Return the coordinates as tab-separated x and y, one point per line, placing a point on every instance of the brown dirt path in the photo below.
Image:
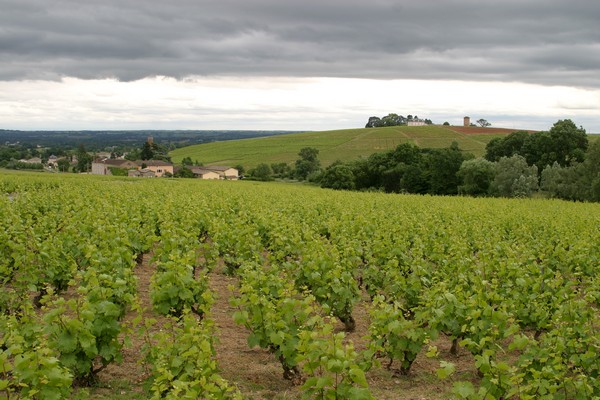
256	372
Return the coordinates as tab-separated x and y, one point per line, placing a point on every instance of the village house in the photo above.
157	167
215	172
203	173
102	166
141	173
416	122
224	172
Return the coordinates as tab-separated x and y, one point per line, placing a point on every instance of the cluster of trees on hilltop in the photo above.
559	163
393	120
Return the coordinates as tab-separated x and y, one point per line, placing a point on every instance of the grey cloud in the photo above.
548	42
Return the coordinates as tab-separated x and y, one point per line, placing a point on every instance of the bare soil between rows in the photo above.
256	372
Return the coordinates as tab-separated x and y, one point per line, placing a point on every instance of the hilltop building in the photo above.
467	121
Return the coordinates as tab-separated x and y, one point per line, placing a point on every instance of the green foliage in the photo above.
576	182
564	144
476	176
394	336
330	282
184	172
338	176
84	160
516	281
174	288
83	333
514	178
275	314
308	163
333	372
282	170
184	364
262	172
28	367
564	363
506	146
118	171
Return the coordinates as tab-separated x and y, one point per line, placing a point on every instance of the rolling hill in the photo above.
344	145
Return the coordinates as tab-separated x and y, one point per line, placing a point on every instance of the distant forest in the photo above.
125	139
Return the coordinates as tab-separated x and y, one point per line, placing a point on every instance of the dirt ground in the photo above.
256	372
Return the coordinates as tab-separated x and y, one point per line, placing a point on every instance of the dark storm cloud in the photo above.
549	42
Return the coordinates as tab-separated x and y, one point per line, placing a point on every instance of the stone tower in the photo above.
467	121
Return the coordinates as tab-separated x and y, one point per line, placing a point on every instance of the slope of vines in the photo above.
513	283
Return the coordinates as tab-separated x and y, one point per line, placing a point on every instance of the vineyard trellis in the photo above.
515	283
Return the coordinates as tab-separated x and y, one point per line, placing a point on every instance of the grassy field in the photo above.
344	145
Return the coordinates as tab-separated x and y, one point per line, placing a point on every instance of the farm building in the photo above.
158	167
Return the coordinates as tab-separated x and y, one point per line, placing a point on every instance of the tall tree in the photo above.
476	176
567	142
483	123
308	162
514	178
84	160
507	146
147	151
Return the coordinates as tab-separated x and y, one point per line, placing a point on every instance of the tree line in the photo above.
557	163
393	119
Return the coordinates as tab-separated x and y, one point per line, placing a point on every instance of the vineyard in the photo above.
122	288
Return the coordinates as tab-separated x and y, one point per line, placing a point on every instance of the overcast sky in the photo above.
300	65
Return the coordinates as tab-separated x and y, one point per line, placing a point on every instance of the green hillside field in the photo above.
344	145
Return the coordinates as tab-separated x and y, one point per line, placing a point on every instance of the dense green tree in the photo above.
374	122
580	181
338	176
476	176
507	146
308	162
564	143
536	148
63	165
84	160
184	172
406	153
241	170
567	142
133	155
441	167
514	178
393	119
281	170
592	171
187	161
147	152
262	172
